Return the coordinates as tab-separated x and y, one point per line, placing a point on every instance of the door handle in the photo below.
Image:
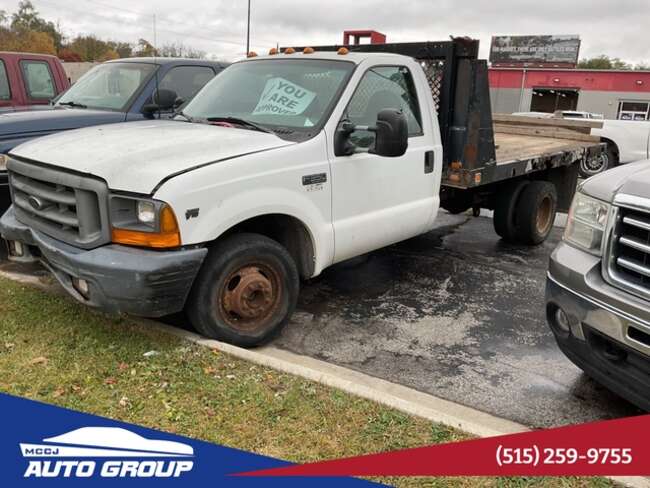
428	162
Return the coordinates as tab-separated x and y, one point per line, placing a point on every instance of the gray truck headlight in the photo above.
586	223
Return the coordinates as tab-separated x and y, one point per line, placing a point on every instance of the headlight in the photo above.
586	223
143	222
3	162
146	212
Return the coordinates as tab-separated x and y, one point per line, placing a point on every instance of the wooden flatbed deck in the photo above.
516	147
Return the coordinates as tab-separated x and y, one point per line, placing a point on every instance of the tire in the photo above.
607	160
505	210
245	292
536	210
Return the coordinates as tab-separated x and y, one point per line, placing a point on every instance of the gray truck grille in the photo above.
628	252
65	206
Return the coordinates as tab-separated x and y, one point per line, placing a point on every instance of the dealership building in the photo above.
615	94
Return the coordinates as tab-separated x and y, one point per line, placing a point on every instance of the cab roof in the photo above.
351	56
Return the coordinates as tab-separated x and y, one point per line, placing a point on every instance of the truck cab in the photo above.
280	167
29	80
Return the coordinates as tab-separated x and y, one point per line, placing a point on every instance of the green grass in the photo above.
57	351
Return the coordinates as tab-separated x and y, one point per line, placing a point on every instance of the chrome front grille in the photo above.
627	253
63	205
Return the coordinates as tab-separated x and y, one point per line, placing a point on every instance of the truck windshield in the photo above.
287	96
108	86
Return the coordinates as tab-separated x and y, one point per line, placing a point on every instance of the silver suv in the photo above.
598	286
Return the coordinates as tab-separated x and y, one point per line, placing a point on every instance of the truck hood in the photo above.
629	179
136	156
33	122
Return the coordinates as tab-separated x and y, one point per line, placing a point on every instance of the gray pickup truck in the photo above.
598	286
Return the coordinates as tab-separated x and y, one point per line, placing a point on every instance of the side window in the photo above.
5	92
38	80
380	88
186	81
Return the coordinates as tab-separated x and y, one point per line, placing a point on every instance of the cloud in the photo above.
218	27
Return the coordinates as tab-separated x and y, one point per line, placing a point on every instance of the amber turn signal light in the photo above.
169	234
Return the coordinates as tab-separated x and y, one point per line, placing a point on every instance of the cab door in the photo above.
377	201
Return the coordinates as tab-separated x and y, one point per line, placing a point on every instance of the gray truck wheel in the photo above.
246	291
536	211
606	160
505	210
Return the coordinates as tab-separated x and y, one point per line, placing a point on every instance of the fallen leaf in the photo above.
58	392
122	366
110	381
39	360
209	370
150	353
76	388
209	412
9	345
124	402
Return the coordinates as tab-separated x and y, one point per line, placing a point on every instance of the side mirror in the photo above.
162	99
391	134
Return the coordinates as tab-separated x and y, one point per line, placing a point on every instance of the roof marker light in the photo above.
343	51
273	51
308	50
289	50
251	54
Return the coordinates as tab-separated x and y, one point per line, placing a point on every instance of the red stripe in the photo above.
485	457
585	80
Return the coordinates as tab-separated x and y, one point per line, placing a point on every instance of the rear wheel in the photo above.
606	160
246	290
536	211
505	210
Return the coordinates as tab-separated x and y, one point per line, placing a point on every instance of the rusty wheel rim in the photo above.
544	214
250	296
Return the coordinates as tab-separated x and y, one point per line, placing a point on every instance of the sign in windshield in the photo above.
108	86
288	93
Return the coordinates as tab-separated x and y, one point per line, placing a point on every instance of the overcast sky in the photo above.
618	28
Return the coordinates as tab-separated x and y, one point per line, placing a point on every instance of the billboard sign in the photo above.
535	50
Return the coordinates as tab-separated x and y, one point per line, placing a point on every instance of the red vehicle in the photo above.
30	79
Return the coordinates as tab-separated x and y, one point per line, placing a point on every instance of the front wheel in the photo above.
245	292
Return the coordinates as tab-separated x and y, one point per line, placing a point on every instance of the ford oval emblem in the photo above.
35	202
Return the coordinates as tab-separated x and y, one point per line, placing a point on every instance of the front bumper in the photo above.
609	336
120	278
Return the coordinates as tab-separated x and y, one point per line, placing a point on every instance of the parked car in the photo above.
116	91
598	286
28	80
627	140
246	188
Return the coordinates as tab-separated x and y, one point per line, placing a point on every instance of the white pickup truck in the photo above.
627	141
280	167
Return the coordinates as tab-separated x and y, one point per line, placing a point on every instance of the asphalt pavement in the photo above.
456	313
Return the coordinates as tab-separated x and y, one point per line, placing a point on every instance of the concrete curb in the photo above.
392	395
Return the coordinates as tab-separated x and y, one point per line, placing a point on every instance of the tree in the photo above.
144	49
179	50
123	49
68	55
603	62
28	19
89	48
